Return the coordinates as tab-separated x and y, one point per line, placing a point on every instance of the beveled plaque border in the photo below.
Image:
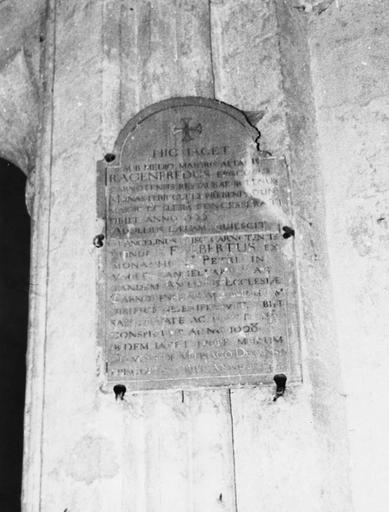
102	165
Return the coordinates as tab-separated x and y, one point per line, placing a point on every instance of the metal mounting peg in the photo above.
287	232
109	157
98	241
280	380
119	391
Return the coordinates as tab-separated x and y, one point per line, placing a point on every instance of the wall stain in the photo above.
91	458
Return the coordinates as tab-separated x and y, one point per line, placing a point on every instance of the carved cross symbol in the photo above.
187	130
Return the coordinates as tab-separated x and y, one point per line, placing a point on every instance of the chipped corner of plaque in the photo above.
253	118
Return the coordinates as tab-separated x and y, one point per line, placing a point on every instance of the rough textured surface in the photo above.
19	112
81	129
246	64
20	22
350	69
322	371
278	68
20	31
315	6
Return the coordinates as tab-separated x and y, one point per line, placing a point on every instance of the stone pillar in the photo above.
349	45
236	449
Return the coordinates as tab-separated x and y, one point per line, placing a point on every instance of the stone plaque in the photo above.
198	281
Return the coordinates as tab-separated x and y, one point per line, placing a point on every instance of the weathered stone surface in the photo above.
184	459
20	27
20	31
315	6
67	224
19	114
292	133
279	453
246	64
349	49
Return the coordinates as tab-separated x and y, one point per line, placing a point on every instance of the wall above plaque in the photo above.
197	283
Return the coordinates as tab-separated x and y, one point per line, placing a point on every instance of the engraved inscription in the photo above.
199	281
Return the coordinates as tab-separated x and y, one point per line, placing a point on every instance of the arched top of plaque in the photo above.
179	121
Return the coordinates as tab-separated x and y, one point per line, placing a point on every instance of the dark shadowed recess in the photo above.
14	284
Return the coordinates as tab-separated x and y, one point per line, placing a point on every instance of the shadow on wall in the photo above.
14	284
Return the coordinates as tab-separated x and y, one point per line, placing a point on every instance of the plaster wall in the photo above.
350	67
21	38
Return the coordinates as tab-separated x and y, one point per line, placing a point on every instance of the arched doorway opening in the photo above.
14	285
